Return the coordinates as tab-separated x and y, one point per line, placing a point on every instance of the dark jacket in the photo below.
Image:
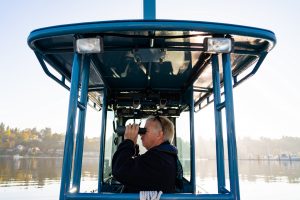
153	171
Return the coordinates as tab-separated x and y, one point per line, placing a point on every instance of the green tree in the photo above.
2	128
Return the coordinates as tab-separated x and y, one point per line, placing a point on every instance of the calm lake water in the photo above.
39	178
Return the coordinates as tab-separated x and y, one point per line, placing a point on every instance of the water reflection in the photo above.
28	171
254	170
270	171
40	171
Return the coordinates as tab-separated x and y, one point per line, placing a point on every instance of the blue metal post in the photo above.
81	123
69	141
192	140
231	140
136	196
149	9
218	124
102	140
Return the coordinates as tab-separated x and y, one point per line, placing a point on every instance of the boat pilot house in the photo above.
140	68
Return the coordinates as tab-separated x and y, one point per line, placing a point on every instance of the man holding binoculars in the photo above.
155	170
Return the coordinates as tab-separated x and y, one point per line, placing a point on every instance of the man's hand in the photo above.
131	132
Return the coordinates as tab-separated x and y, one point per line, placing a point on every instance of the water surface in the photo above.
39	178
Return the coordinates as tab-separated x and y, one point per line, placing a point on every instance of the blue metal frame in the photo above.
81	123
231	139
73	104
218	125
184	196
232	154
127	25
48	73
149	9
192	141
69	141
149	23
102	140
262	57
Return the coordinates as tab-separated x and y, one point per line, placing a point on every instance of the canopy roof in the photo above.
149	61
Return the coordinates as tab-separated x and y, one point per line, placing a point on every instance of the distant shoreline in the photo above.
203	159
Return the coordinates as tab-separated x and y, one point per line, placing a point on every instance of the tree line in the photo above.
33	141
14	140
249	148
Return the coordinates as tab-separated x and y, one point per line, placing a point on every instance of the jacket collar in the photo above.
167	147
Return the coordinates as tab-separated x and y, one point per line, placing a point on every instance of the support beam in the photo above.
231	139
218	124
149	9
69	140
126	196
102	140
81	123
192	141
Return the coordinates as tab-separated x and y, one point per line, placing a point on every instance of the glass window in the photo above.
109	147
183	143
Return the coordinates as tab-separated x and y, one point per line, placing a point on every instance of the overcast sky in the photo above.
266	105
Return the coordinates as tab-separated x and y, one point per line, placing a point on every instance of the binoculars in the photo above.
120	130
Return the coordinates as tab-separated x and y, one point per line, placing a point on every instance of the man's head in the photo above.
159	130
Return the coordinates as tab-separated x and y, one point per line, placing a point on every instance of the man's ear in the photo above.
161	135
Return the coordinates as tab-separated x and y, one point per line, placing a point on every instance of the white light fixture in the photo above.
89	45
218	45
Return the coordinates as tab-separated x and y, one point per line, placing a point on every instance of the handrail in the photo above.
235	83
254	70
45	68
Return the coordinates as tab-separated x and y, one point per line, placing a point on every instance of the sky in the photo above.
266	105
